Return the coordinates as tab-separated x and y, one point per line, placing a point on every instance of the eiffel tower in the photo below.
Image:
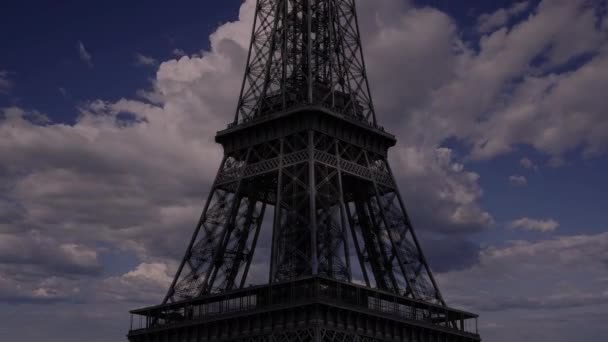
304	172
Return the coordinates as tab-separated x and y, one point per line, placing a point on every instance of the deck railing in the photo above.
301	292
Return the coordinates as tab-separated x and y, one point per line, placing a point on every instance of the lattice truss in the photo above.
305	52
310	335
331	200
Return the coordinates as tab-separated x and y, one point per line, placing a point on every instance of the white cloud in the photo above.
552	112
85	56
113	181
440	195
143	60
513	90
178	52
409	53
5	83
517	180
148	282
546	225
138	184
73	180
488	22
107	179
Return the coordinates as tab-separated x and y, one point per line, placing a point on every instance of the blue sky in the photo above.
498	107
44	55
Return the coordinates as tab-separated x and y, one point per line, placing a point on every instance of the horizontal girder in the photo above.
329	198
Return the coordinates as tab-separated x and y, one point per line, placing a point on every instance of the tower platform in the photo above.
308	309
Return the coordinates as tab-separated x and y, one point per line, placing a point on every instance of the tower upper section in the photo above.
305	53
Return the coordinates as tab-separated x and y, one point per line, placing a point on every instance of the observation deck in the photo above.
259	310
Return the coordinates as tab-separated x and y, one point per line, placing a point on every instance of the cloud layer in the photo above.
130	176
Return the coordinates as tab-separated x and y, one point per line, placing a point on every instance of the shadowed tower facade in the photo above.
304	172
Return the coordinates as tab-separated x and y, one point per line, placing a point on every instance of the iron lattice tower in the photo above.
306	160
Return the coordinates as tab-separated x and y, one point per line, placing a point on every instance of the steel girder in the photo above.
305	52
330	199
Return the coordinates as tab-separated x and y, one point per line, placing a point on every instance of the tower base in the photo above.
308	309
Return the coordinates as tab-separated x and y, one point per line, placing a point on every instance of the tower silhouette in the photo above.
305	166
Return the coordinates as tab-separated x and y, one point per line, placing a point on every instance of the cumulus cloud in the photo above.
5	83
544	226
148	282
488	22
516	87
85	56
111	178
554	112
133	174
90	180
114	151
441	196
196	97
143	60
517	180
410	52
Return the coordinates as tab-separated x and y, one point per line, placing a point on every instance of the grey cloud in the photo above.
564	300
517	180
512	90
409	55
527	163
440	195
5	83
178	52
143	60
488	22
46	291
546	225
35	249
554	112
147	283
561	324
141	186
562	272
